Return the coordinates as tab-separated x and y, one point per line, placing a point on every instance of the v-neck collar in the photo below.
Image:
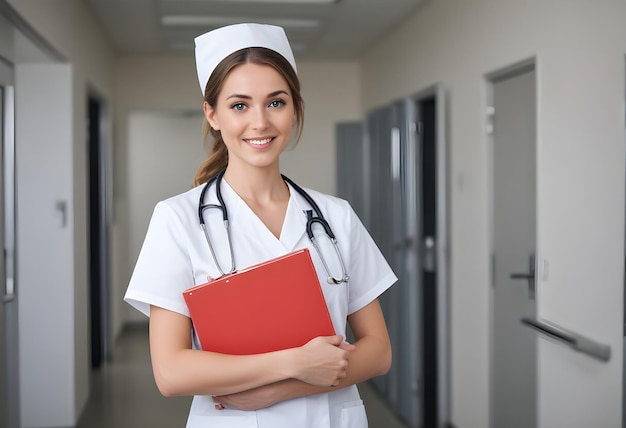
245	220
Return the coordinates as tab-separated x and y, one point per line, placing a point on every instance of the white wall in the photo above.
579	47
69	27
163	155
169	83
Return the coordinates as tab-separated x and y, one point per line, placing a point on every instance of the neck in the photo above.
260	185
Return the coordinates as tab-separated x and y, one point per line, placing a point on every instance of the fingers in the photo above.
347	346
325	365
338	341
218	405
335	340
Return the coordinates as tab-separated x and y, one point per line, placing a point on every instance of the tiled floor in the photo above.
124	395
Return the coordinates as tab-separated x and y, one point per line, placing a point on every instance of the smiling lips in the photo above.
259	142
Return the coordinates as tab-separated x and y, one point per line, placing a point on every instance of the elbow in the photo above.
166	390
380	361
166	383
384	362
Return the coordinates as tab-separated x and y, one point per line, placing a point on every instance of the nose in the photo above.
260	119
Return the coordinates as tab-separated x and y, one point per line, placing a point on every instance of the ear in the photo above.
211	116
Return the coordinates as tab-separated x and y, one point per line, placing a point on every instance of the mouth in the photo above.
259	142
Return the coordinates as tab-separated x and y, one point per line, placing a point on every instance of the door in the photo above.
378	221
351	165
512	123
407	295
9	393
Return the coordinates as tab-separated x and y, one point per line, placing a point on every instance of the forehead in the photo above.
253	79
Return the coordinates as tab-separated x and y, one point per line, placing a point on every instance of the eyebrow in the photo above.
248	97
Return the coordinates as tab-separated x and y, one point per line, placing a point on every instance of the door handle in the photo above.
429	256
576	341
528	276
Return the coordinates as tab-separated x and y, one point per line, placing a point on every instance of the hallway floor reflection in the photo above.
124	395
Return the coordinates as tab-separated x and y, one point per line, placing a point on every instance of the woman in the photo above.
253	106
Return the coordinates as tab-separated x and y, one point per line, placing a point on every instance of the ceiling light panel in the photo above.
278	1
208	20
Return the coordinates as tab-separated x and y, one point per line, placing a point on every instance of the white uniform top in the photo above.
175	256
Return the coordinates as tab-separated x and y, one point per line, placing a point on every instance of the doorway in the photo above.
407	217
98	233
428	112
511	129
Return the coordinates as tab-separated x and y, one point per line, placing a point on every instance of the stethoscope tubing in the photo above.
319	219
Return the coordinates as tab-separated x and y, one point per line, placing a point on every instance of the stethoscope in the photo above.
311	220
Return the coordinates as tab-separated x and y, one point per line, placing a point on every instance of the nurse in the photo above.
253	109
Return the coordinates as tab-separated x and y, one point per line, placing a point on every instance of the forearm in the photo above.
180	370
193	372
371	357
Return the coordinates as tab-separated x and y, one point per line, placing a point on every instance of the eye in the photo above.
238	106
276	103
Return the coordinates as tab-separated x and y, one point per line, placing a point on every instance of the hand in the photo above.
252	399
323	361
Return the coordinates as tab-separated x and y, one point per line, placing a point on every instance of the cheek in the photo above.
232	124
287	121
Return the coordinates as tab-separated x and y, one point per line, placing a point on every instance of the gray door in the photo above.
351	165
378	221
512	124
407	292
9	392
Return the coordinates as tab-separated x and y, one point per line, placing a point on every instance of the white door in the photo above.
514	351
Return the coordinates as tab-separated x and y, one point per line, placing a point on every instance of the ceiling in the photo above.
338	30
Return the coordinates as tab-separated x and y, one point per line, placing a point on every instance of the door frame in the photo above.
489	79
438	92
100	171
8	296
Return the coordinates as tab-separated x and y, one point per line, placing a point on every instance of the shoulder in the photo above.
324	200
337	211
185	199
183	206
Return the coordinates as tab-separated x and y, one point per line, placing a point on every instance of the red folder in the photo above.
274	305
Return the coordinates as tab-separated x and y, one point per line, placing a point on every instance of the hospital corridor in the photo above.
481	145
124	395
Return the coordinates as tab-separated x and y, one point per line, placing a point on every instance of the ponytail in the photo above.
218	156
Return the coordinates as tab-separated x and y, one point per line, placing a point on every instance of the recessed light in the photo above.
207	20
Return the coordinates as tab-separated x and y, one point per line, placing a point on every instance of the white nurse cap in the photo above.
214	46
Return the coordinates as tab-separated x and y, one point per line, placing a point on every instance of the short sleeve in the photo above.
370	274
163	269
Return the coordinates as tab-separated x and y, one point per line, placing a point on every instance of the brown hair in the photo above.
218	156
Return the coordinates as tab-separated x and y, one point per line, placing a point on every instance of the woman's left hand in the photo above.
252	399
